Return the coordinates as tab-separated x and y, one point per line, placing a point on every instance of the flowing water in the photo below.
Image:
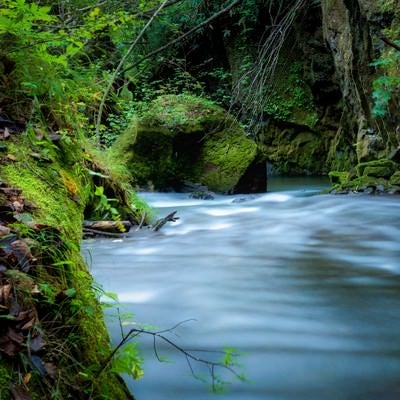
305	286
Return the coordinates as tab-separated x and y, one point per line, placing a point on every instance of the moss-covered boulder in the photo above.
395	179
375	176
178	138
377	168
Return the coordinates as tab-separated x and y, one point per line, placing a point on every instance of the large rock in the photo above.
180	138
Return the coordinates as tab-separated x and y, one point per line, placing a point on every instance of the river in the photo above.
305	286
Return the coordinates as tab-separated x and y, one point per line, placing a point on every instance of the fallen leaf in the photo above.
51	369
18	206
5	292
19	393
9	348
28	325
27	378
16	337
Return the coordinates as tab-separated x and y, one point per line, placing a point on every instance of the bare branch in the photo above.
390	43
182	37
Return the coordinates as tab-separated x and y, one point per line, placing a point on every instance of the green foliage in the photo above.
128	361
387	84
291	99
104	208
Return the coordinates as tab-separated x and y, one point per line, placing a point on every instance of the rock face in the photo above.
352	30
180	138
317	109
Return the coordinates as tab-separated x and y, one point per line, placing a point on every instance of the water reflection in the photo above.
307	287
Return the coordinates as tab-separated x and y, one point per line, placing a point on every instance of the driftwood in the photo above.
161	222
93	232
108	226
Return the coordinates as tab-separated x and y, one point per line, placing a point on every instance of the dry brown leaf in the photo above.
29	324
16	337
5	292
51	369
19	393
9	348
18	206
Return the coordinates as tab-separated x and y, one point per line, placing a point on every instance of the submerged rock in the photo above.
180	138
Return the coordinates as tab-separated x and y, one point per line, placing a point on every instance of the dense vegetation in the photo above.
99	98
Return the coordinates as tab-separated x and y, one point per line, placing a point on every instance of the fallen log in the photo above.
93	233
108	226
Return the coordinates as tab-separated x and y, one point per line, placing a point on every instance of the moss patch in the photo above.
338	177
225	157
291	99
377	168
377	175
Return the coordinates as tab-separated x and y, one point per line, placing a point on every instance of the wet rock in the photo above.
369	145
380	189
202	195
243	199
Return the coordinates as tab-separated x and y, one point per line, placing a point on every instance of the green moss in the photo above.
44	186
365	182
291	99
6	378
338	177
182	113
395	179
225	157
377	168
293	152
76	337
378	172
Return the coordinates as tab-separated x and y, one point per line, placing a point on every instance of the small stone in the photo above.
368	190
380	188
202	195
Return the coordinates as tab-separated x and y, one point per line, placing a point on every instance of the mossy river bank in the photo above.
305	286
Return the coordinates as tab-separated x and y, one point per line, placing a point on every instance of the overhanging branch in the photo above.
182	37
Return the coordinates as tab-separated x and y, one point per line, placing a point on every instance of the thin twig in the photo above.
182	37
